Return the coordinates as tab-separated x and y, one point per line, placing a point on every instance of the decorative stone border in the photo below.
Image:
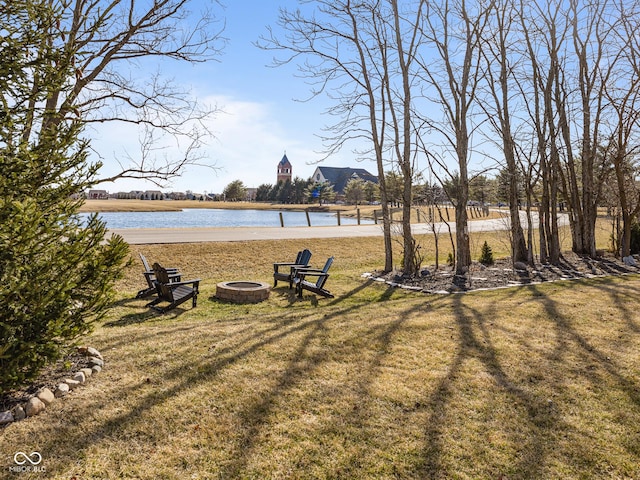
41	400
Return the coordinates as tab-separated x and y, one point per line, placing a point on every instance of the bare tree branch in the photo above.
107	40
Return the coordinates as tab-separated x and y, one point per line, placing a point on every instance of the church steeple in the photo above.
284	169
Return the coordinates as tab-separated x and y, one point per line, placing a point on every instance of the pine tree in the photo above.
486	254
56	270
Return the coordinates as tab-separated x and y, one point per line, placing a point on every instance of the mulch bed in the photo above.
503	274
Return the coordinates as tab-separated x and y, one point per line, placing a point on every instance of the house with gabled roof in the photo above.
97	195
340	176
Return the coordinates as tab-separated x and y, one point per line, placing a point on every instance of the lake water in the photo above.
210	217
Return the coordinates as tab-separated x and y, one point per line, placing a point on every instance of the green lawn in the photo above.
536	382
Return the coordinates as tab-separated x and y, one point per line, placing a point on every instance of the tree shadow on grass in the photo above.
142	314
475	344
145	317
302	365
623	295
182	377
301	342
542	418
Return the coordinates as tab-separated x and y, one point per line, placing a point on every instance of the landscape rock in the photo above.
87	372
34	407
61	390
19	413
520	266
6	417
92	352
629	261
96	369
96	361
46	396
80	377
73	384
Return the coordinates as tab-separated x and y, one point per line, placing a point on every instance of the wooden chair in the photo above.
318	287
150	278
302	260
173	292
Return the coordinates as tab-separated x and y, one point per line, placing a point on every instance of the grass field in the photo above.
541	381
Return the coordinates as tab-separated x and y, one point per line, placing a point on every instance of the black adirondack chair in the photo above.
174	293
288	268
300	275
150	278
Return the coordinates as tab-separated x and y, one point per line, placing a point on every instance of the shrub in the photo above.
486	254
56	279
451	261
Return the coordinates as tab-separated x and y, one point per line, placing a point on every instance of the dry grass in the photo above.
535	382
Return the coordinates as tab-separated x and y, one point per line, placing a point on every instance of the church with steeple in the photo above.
284	169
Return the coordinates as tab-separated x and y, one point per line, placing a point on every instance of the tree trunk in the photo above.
384	203
463	257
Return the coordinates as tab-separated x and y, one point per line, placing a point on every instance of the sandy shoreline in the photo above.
141	236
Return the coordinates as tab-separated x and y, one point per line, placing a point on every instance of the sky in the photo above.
261	118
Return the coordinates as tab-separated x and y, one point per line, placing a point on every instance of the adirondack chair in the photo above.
302	260
173	292
150	278
301	283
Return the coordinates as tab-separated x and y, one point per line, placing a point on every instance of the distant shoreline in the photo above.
122	205
366	211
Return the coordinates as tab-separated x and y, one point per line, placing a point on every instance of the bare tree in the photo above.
571	52
405	47
623	147
452	71
106	39
543	33
500	57
591	38
331	51
359	54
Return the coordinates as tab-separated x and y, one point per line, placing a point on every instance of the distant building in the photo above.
153	195
251	194
177	196
132	195
340	176
97	194
195	196
284	170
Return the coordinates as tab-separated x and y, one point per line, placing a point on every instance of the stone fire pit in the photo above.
243	291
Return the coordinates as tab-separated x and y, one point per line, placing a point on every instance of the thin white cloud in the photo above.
249	140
